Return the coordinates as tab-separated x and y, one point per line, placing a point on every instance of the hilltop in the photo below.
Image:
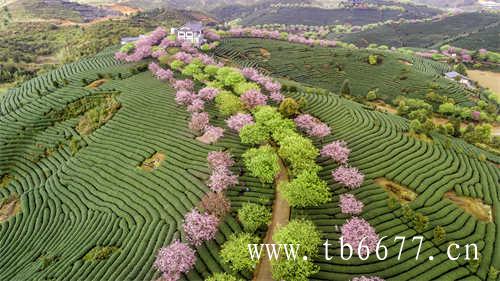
102	159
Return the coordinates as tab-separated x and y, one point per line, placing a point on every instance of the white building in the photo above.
455	76
190	32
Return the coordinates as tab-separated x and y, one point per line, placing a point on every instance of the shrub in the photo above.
228	104
373	59
306	190
371	95
253	216
215	204
289	107
301	232
254	134
262	162
200	227
234	252
174	260
244	87
439	233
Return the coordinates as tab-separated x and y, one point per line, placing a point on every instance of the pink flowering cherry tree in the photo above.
336	150
357	230
221	179
253	98
199	227
238	121
348	176
219	160
199	121
350	205
175	259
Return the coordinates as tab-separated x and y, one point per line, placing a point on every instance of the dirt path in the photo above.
281	216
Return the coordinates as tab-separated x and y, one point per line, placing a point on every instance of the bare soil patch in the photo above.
383	106
474	206
405	62
153	162
97	83
9	207
487	79
265	53
126	10
400	192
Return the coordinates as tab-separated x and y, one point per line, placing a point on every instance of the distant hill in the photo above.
324	14
200	5
56	9
470	30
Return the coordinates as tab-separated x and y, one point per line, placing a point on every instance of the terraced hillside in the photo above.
397	74
84	192
383	151
457	30
79	192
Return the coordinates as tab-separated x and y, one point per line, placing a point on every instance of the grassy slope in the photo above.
433	33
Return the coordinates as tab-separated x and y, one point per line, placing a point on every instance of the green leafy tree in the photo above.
211	69
306	190
302	232
447	108
254	134
373	59
253	216
419	114
229	76
289	107
228	104
262	163
460	68
293	270
299	152
234	252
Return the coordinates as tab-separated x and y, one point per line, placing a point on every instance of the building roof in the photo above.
194	26
452	74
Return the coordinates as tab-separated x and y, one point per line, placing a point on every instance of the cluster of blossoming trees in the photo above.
255	108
